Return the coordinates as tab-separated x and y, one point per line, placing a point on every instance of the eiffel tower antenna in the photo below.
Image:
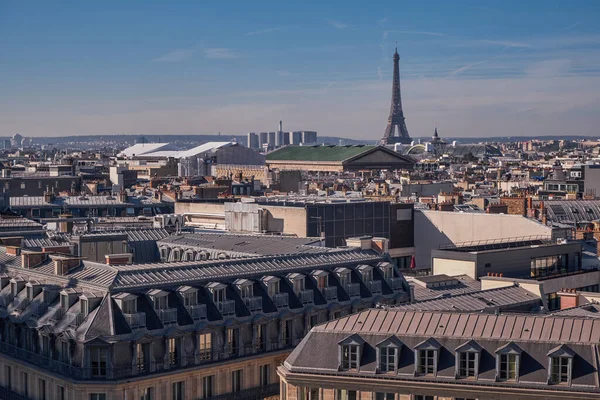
396	122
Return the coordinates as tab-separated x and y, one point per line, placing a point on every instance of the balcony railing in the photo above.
330	293
375	287
396	283
281	300
226	307
353	289
167	315
254	304
307	296
136	320
197	311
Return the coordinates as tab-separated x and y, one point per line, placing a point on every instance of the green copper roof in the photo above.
316	153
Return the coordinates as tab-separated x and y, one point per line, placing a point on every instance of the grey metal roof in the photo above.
81	201
571	211
465	285
511	296
46	241
244	244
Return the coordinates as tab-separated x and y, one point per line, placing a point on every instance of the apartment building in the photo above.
77	329
411	355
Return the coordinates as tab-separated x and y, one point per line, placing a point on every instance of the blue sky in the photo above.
476	68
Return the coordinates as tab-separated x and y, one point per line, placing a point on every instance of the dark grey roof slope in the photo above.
465	284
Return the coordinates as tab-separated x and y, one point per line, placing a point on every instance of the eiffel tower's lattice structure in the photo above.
396	123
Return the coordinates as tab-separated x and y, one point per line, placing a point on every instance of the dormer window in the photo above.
344	276
190	299
366	272
467	360
350	350
508	360
426	357
160	302
321	279
85	308
245	287
273	288
30	293
14	288
64	301
388	354
219	295
130	306
386	271
560	365
297	281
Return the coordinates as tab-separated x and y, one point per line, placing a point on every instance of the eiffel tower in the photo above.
396	122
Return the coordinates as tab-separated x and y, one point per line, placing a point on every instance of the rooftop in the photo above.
316	153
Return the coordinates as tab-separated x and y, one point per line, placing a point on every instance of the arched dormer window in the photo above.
349	353
388	354
467	359
508	361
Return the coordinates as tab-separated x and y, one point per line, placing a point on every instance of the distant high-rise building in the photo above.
253	141
16	141
296	138
396	124
309	137
263	138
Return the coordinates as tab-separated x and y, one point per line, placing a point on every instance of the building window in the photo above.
24	384
205	346
488	265
543	266
65	352
467	364
190	299
30	293
314	393
236	380
129	306
14	288
84	307
385	396
60	392
41	389
423	397
178	391
350	356
260	339
173	345
64	301
232	341
343	394
426	362
387	359
560	369
8	377
141	350
273	288
98	361
314	320
207	386
265	373
508	367
553	300
23	186
160	302
97	396
147	394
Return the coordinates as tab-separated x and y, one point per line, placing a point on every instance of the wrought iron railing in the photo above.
254	303
197	311
136	320
330	293
375	287
281	300
353	289
307	296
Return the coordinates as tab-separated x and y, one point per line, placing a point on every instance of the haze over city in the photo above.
493	69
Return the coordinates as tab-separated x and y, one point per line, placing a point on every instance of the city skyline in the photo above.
151	68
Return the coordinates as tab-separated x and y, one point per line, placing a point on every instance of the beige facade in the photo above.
31	381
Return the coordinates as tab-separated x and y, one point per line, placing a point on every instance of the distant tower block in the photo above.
396	124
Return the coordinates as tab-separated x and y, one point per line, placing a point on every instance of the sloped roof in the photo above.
145	148
317	153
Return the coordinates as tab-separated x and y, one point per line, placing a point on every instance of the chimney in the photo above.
31	259
66	249
64	264
48	195
15	241
66	226
119	259
123	196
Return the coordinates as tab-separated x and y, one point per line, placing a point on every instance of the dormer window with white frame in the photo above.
159	299
508	362
246	288
218	292
297	282
350	352
426	357
30	294
64	301
560	365
85	306
273	288
189	295
467	360
343	276
127	302
366	273
321	278
387	270
14	288
388	354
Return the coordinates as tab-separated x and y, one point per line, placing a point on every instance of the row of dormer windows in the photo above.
467	359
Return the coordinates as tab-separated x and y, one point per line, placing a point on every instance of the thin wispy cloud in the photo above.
426	33
175	56
219	53
262	31
464	68
337	24
382	21
506	43
380	73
